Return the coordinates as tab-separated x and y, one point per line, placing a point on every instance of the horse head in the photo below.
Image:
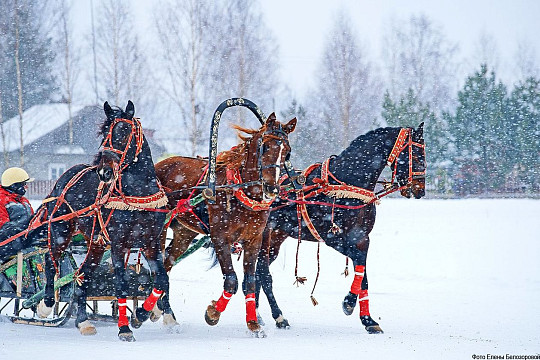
122	141
411	164
273	149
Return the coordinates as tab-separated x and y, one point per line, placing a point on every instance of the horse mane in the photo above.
236	155
368	137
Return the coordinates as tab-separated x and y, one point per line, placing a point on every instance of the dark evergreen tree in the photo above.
35	56
301	155
410	112
523	155
480	132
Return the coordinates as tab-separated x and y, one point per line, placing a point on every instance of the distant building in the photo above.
47	151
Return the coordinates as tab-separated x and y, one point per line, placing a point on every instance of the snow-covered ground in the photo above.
448	279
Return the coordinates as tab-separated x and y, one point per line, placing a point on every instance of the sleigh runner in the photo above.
22	279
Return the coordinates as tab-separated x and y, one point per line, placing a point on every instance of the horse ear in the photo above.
290	126
108	110
420	131
130	109
271	120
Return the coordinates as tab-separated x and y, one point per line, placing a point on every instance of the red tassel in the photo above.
221	304
251	312
151	300
356	286
122	316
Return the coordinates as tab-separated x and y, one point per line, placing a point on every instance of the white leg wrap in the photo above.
169	321
86	328
156	314
42	310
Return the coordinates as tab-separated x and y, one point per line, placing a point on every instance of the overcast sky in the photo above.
301	26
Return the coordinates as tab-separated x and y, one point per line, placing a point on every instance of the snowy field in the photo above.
449	279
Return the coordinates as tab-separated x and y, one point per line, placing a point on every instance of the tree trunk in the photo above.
94	56
19	83
2	133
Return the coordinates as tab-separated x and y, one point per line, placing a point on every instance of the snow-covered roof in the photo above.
37	121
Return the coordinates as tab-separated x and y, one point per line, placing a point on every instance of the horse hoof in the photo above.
255	329
125	334
138	317
169	320
372	327
155	314
282	323
43	311
212	315
86	328
349	303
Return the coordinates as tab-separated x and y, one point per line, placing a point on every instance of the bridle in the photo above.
120	155
282	138
405	141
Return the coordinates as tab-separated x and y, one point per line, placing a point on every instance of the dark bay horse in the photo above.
247	183
117	201
337	206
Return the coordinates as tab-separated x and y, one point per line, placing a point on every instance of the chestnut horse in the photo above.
117	201
247	183
337	206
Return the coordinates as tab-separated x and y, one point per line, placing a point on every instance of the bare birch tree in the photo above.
68	56
347	98
526	61
16	55
123	68
184	32
246	55
416	55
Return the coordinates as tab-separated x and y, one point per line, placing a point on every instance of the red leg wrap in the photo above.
251	311
221	304
356	286
152	299
363	300
122	317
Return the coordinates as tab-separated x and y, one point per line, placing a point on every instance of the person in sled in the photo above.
15	210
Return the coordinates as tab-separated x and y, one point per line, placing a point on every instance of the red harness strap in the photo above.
323	186
233	177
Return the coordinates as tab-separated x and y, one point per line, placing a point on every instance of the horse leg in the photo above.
58	231
161	286
359	287
182	237
230	284
121	287
45	306
248	288
93	258
272	240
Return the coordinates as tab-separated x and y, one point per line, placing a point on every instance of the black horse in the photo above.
337	203
117	201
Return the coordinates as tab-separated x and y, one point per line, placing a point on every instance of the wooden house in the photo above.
47	148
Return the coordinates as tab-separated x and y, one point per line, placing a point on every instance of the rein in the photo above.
121	201
322	185
136	131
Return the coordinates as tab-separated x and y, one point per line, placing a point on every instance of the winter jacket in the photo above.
15	213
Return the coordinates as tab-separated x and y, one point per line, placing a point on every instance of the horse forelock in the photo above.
97	158
104	127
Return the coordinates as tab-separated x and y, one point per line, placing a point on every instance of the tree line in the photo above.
482	135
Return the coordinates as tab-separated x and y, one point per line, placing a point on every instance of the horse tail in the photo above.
212	256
